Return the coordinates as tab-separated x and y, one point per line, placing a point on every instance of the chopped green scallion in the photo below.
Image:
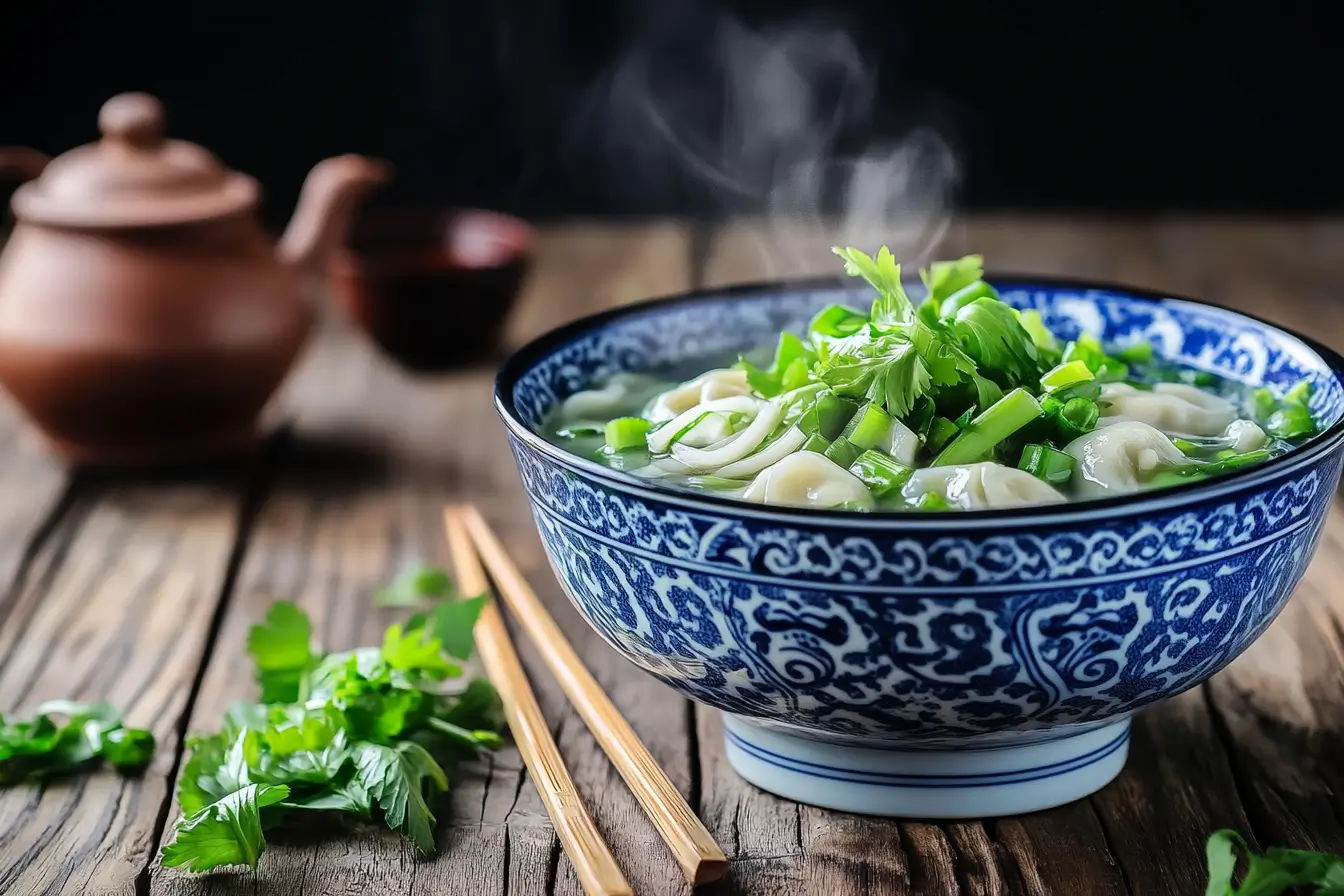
627	432
1138	353
1046	463
828	416
1067	374
880	472
870	427
1077	417
842	453
713	483
942	431
1264	403
1040	334
965	296
931	501
817	443
1290	422
1227	461
1299	394
1000	420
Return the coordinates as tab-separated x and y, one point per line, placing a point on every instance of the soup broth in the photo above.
955	402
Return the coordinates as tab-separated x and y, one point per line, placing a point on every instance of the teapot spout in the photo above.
326	210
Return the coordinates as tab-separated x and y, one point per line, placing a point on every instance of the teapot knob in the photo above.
133	120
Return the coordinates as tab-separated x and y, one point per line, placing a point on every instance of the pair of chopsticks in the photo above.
470	541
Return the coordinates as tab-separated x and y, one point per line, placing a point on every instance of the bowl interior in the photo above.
665	335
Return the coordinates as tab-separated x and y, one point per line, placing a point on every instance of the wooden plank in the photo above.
360	492
119	607
32	485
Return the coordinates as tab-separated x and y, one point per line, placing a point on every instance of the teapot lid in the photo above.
133	177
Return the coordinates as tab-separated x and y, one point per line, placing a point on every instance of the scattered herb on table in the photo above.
365	732
417	583
1274	872
92	732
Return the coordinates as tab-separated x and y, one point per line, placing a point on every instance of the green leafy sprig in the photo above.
46	747
367	733
1274	872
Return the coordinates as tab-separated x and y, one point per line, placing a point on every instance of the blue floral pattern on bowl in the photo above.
927	631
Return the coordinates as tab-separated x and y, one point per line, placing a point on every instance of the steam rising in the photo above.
774	123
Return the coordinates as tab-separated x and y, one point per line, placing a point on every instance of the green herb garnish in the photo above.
627	432
367	732
416	584
46	747
1272	873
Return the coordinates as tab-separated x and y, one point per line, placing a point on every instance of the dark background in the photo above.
528	106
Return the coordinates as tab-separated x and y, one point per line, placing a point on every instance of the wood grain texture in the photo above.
594	865
33	487
119	607
700	858
374	457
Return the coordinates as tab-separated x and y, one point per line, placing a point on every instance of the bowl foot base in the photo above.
981	783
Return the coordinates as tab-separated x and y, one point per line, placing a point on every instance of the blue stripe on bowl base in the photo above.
832	773
928	784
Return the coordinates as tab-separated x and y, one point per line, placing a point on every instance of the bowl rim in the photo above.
1036	516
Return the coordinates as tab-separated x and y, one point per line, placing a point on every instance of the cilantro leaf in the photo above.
42	749
888	370
197	787
346	797
416	649
948	364
414	584
992	335
226	832
944	278
1221	853
836	322
1278	871
281	653
906	377
128	749
893	305
453	622
373	730
789	370
396	779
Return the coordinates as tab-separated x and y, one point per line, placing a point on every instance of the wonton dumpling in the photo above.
706	387
808	479
1245	435
980	486
1111	459
1170	407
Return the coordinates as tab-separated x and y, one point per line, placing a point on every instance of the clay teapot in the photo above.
145	316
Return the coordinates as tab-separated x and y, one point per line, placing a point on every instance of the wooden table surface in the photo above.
141	591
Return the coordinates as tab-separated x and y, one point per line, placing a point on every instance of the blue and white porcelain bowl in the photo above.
935	665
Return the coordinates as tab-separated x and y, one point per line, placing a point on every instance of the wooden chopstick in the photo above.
691	844
593	862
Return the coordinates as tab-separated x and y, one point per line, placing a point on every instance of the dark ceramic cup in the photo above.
433	287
